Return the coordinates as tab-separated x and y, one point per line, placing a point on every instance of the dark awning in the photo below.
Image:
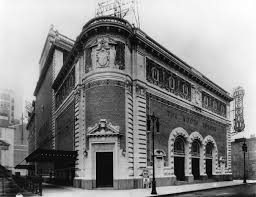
27	167
46	155
4	145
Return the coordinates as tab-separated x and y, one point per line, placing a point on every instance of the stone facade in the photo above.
121	76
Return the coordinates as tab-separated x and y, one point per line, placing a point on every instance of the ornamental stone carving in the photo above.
103	128
104	52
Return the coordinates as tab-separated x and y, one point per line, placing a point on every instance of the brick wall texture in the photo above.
106	102
171	118
43	111
64	139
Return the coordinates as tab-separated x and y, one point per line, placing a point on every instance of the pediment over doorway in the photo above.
103	128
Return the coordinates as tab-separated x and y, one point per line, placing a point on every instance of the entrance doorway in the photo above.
208	154
209	167
104	169
179	168
196	168
179	158
195	152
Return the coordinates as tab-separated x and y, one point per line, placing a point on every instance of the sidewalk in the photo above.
55	191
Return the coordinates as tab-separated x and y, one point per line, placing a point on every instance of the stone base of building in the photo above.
189	178
117	184
138	183
226	177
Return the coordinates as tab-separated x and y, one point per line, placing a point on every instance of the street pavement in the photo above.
193	189
245	190
225	188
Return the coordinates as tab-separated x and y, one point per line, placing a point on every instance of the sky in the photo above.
217	37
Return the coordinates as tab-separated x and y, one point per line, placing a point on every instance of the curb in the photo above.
186	192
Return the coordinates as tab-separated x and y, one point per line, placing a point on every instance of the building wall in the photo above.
7	156
238	159
172	116
31	137
20	144
106	102
64	139
6	108
43	112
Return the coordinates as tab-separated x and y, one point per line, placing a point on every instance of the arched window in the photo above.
195	148
179	146
155	74
208	149
171	83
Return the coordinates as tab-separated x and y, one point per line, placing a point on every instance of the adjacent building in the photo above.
7	152
238	158
6	107
94	100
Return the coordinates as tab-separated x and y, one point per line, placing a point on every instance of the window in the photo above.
195	148
222	109
209	147
171	83
214	105
185	89
205	100
179	148
155	74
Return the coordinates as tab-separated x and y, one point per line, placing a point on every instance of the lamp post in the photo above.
244	148
154	120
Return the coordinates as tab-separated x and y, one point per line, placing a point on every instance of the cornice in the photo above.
92	27
59	42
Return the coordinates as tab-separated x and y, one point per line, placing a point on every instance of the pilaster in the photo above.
129	127
229	159
140	129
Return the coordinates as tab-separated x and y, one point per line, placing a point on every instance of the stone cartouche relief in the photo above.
105	52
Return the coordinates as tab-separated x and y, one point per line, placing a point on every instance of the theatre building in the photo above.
94	99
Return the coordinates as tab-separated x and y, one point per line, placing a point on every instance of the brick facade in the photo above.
106	102
64	139
173	116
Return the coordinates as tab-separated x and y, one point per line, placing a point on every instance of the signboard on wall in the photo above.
238	109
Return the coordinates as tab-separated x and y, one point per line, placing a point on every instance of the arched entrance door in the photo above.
195	153
179	158
208	157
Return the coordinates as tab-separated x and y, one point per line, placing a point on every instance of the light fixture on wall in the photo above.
85	153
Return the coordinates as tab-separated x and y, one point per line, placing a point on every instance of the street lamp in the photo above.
155	120
244	148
